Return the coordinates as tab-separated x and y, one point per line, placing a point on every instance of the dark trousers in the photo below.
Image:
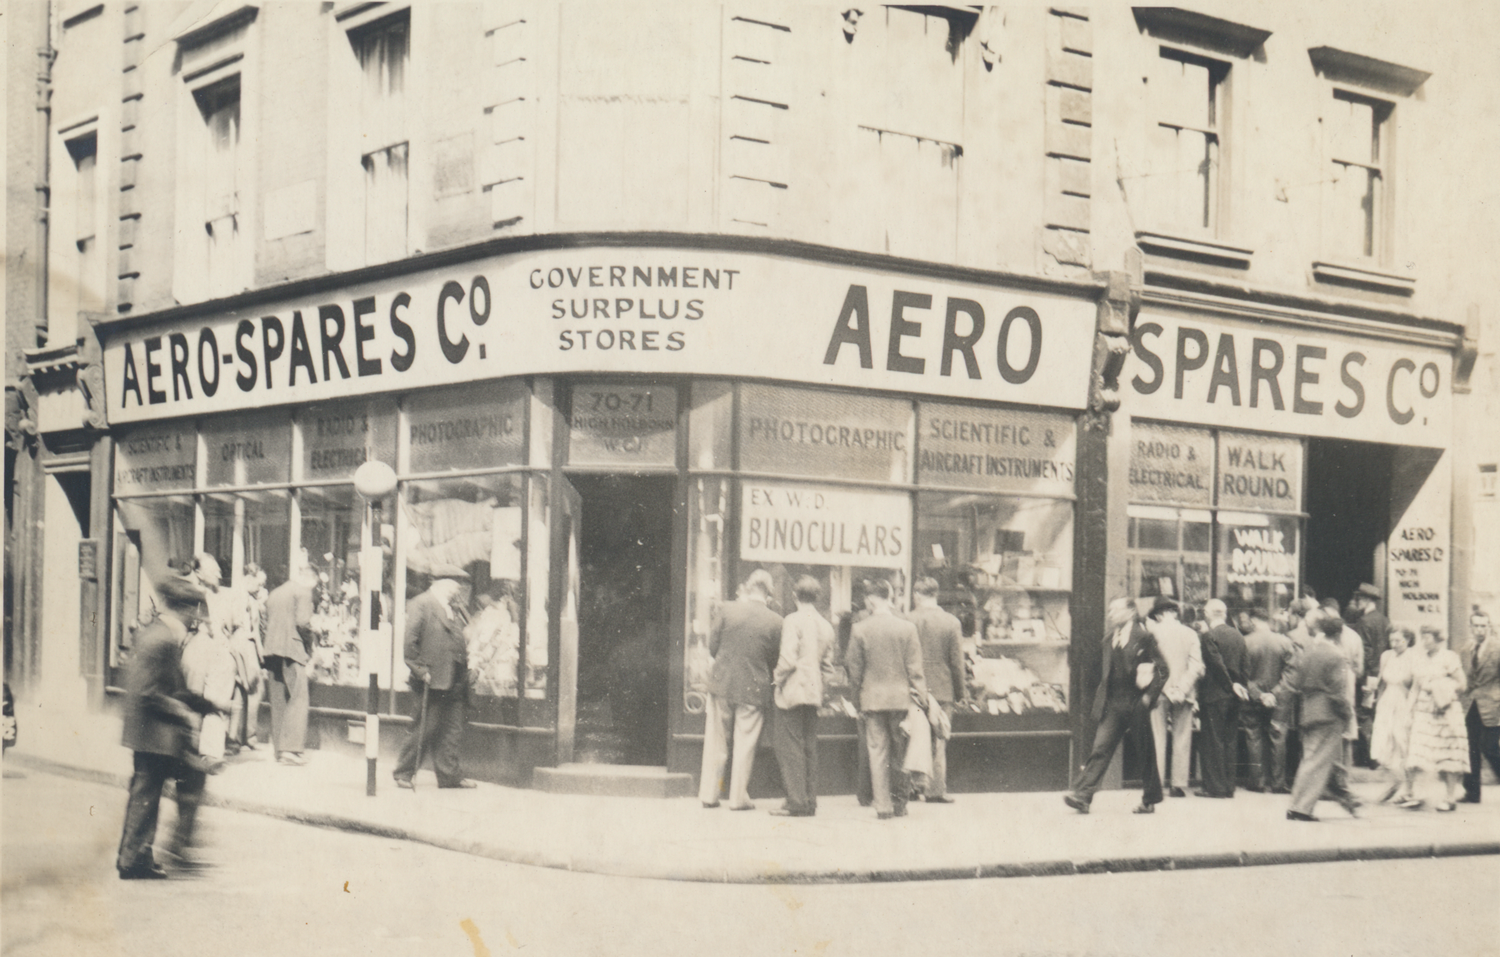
1216	747
1265	745
144	804
796	741
1484	745
440	740
287	689
1118	720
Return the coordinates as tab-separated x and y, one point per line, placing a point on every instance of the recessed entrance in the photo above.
1349	514
625	549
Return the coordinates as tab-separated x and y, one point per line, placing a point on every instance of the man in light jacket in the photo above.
1181	647
884	662
943	666
807	643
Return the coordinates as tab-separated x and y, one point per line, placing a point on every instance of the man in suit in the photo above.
744	642
943	667
884	662
1180	646
807	642
159	717
438	659
1482	715
1220	690
288	645
1133	676
1374	630
1267	657
1321	685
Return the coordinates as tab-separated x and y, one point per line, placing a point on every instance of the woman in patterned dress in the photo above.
1392	729
1439	741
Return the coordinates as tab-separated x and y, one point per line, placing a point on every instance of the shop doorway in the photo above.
1349	511
624	555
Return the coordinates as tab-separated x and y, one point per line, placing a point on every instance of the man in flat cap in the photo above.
438	659
160	719
1374	630
745	641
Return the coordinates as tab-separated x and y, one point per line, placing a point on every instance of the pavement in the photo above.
980	835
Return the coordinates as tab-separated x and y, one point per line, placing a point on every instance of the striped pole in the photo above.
372	733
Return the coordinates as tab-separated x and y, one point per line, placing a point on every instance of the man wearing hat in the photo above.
289	639
437	657
1180	645
160	716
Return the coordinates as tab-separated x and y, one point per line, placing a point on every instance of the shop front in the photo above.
607	441
1273	458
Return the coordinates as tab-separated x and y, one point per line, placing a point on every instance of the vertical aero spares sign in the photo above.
1277	378
611	311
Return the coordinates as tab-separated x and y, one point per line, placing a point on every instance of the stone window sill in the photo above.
1362	277
1197	250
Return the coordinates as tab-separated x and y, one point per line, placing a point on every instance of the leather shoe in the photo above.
788	812
939	799
405	783
291	759
1468	800
1299	816
884	815
1209	794
710	805
1076	804
463	783
1177	793
900	811
742	807
148	872
1281	790
1144	809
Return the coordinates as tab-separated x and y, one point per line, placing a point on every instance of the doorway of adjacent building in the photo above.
624	553
1349	514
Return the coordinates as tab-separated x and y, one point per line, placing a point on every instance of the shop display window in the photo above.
1004	568
1170	552
472	523
153	542
330	531
244	527
1258	558
538	587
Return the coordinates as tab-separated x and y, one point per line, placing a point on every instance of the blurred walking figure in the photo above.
943	668
1322	687
1133	675
1181	647
208	663
807	644
1391	732
1439	742
884	662
745	641
289	640
160	716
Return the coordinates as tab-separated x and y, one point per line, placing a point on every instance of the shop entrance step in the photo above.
614	780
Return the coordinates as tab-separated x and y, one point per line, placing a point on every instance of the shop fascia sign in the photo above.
1212	371
654	311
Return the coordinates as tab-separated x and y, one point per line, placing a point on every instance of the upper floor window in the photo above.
1186	141
1361	169
84	152
219	106
383	49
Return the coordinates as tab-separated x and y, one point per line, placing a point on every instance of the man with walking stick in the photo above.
438	661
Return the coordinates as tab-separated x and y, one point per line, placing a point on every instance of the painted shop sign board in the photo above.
997	450
1171	465
824	525
1212	371
613	311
